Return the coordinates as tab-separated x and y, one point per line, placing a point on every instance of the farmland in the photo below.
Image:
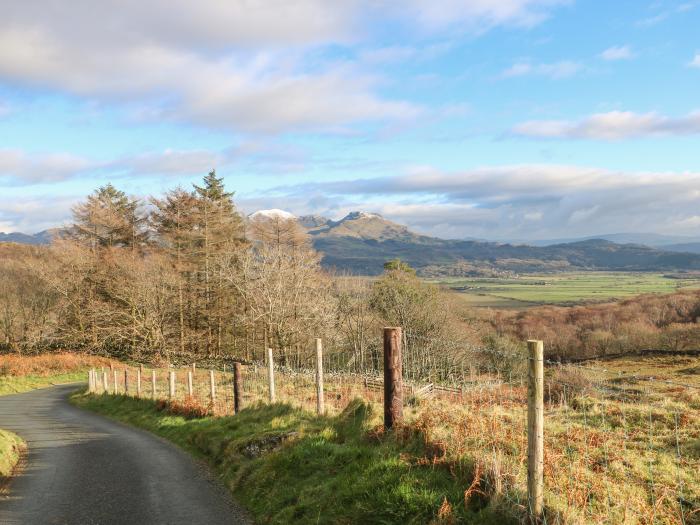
563	288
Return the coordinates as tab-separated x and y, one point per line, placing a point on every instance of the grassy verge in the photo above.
20	373
11	446
17	384
288	466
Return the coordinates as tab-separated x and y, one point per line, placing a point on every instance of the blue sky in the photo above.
508	119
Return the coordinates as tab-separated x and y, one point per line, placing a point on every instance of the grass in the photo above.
17	384
563	288
288	466
11	446
20	373
618	449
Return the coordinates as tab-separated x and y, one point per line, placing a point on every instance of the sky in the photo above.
497	119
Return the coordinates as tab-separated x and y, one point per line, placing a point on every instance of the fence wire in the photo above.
621	446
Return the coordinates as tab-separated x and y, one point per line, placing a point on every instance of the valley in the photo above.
563	289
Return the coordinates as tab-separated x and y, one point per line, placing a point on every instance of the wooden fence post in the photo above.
190	389
114	378
393	380
535	430
105	384
320	402
138	380
237	388
271	374
171	385
153	384
91	387
212	387
126	382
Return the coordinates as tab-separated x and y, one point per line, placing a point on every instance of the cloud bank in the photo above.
614	125
513	201
241	65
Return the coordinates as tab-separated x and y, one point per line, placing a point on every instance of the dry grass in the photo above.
618	447
45	365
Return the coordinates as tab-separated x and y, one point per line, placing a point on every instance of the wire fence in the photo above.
621	441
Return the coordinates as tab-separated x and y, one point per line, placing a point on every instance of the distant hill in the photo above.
655	240
362	242
690	247
43	237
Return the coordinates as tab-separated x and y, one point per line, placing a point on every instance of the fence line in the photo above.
589	432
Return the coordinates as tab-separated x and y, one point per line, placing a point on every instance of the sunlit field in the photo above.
564	288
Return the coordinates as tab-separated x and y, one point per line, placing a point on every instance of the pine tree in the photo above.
220	231
174	220
109	218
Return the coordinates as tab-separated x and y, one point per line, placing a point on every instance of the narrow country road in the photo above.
82	468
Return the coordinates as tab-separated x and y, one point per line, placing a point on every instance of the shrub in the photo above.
189	408
566	384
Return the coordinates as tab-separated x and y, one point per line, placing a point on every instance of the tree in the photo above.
282	286
109	218
175	221
219	231
400	298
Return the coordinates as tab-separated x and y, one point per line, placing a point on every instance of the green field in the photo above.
563	288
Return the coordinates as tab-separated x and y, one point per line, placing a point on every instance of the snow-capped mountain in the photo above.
272	214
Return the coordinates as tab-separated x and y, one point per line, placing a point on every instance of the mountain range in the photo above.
362	242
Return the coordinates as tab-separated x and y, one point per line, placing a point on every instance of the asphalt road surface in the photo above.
82	468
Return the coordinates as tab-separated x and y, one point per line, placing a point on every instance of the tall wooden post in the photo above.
153	384
139	371
91	387
393	378
126	382
105	384
212	387
271	374
171	385
237	388
320	402
114	378
190	388
535	430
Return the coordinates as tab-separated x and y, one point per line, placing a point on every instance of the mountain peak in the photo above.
272	214
356	215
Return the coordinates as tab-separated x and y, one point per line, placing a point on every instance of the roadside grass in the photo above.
286	465
20	373
15	384
619	448
11	446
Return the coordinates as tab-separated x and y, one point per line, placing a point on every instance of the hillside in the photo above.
43	237
362	242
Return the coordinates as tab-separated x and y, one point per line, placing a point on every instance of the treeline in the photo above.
185	274
668	322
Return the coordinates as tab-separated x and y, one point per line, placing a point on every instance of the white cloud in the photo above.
31	214
555	70
617	53
519	201
479	15
19	166
614	125
242	65
696	61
